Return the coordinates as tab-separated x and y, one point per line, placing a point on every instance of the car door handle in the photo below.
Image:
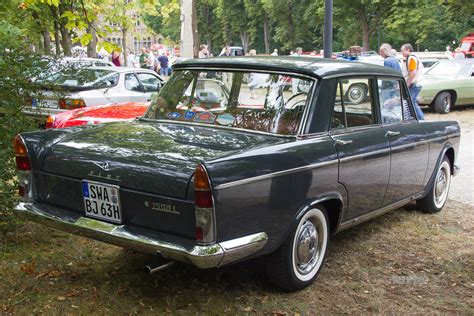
341	142
392	134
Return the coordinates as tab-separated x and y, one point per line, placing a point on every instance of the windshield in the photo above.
266	102
450	69
83	77
465	46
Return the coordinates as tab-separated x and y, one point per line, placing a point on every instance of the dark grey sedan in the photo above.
220	169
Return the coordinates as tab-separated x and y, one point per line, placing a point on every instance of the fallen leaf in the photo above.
248	309
61	298
28	268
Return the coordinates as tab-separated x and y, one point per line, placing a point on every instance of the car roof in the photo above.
125	69
319	67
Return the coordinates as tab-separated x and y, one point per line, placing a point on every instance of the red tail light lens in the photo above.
21	154
50	121
71	104
202	188
204	207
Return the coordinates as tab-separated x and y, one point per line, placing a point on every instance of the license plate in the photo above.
102	201
51	104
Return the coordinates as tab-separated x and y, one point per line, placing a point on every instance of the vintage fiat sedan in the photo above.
238	158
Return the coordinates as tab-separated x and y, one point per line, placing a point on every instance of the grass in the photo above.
403	262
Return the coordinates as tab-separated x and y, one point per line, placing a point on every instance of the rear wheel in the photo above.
434	201
443	102
299	260
357	93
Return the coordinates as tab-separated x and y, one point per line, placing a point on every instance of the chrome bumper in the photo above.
141	240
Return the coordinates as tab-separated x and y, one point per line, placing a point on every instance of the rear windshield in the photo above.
450	68
83	77
266	102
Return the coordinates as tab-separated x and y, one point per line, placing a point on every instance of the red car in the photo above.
97	114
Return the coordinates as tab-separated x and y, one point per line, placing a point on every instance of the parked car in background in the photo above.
73	88
235	51
467	45
257	172
87	62
448	83
97	114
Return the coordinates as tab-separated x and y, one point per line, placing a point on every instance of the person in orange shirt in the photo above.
414	77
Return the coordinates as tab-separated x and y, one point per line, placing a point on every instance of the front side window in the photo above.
266	102
132	83
150	82
354	104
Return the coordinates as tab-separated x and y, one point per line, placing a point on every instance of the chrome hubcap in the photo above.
355	94
442	185
308	247
447	103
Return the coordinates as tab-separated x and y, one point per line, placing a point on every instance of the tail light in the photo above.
21	154
50	121
25	187
204	207
71	104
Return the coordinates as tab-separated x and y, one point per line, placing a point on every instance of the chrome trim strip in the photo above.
171	247
367	154
368	216
274	174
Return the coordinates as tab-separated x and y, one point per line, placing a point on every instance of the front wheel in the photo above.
434	201
299	260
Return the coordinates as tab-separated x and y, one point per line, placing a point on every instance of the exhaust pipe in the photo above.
151	270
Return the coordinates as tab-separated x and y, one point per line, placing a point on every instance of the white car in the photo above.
79	87
87	62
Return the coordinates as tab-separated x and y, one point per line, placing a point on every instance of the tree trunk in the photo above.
92	46
124	43
266	33
194	23
365	29
65	38
57	43
244	37
47	41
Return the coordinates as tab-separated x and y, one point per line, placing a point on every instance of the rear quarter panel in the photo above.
277	182
441	137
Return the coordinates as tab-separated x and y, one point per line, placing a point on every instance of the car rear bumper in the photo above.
141	240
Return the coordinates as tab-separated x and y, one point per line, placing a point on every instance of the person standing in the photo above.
117	58
150	61
130	59
414	76
164	68
458	54
143	58
203	51
389	60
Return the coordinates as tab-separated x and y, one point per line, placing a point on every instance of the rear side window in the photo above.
390	101
354	103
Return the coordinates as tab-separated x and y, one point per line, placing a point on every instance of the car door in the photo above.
407	138
363	150
135	90
150	84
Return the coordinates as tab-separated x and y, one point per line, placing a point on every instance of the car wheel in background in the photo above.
299	260
434	201
356	93
443	102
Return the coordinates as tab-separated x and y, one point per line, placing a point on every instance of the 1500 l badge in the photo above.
162	207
